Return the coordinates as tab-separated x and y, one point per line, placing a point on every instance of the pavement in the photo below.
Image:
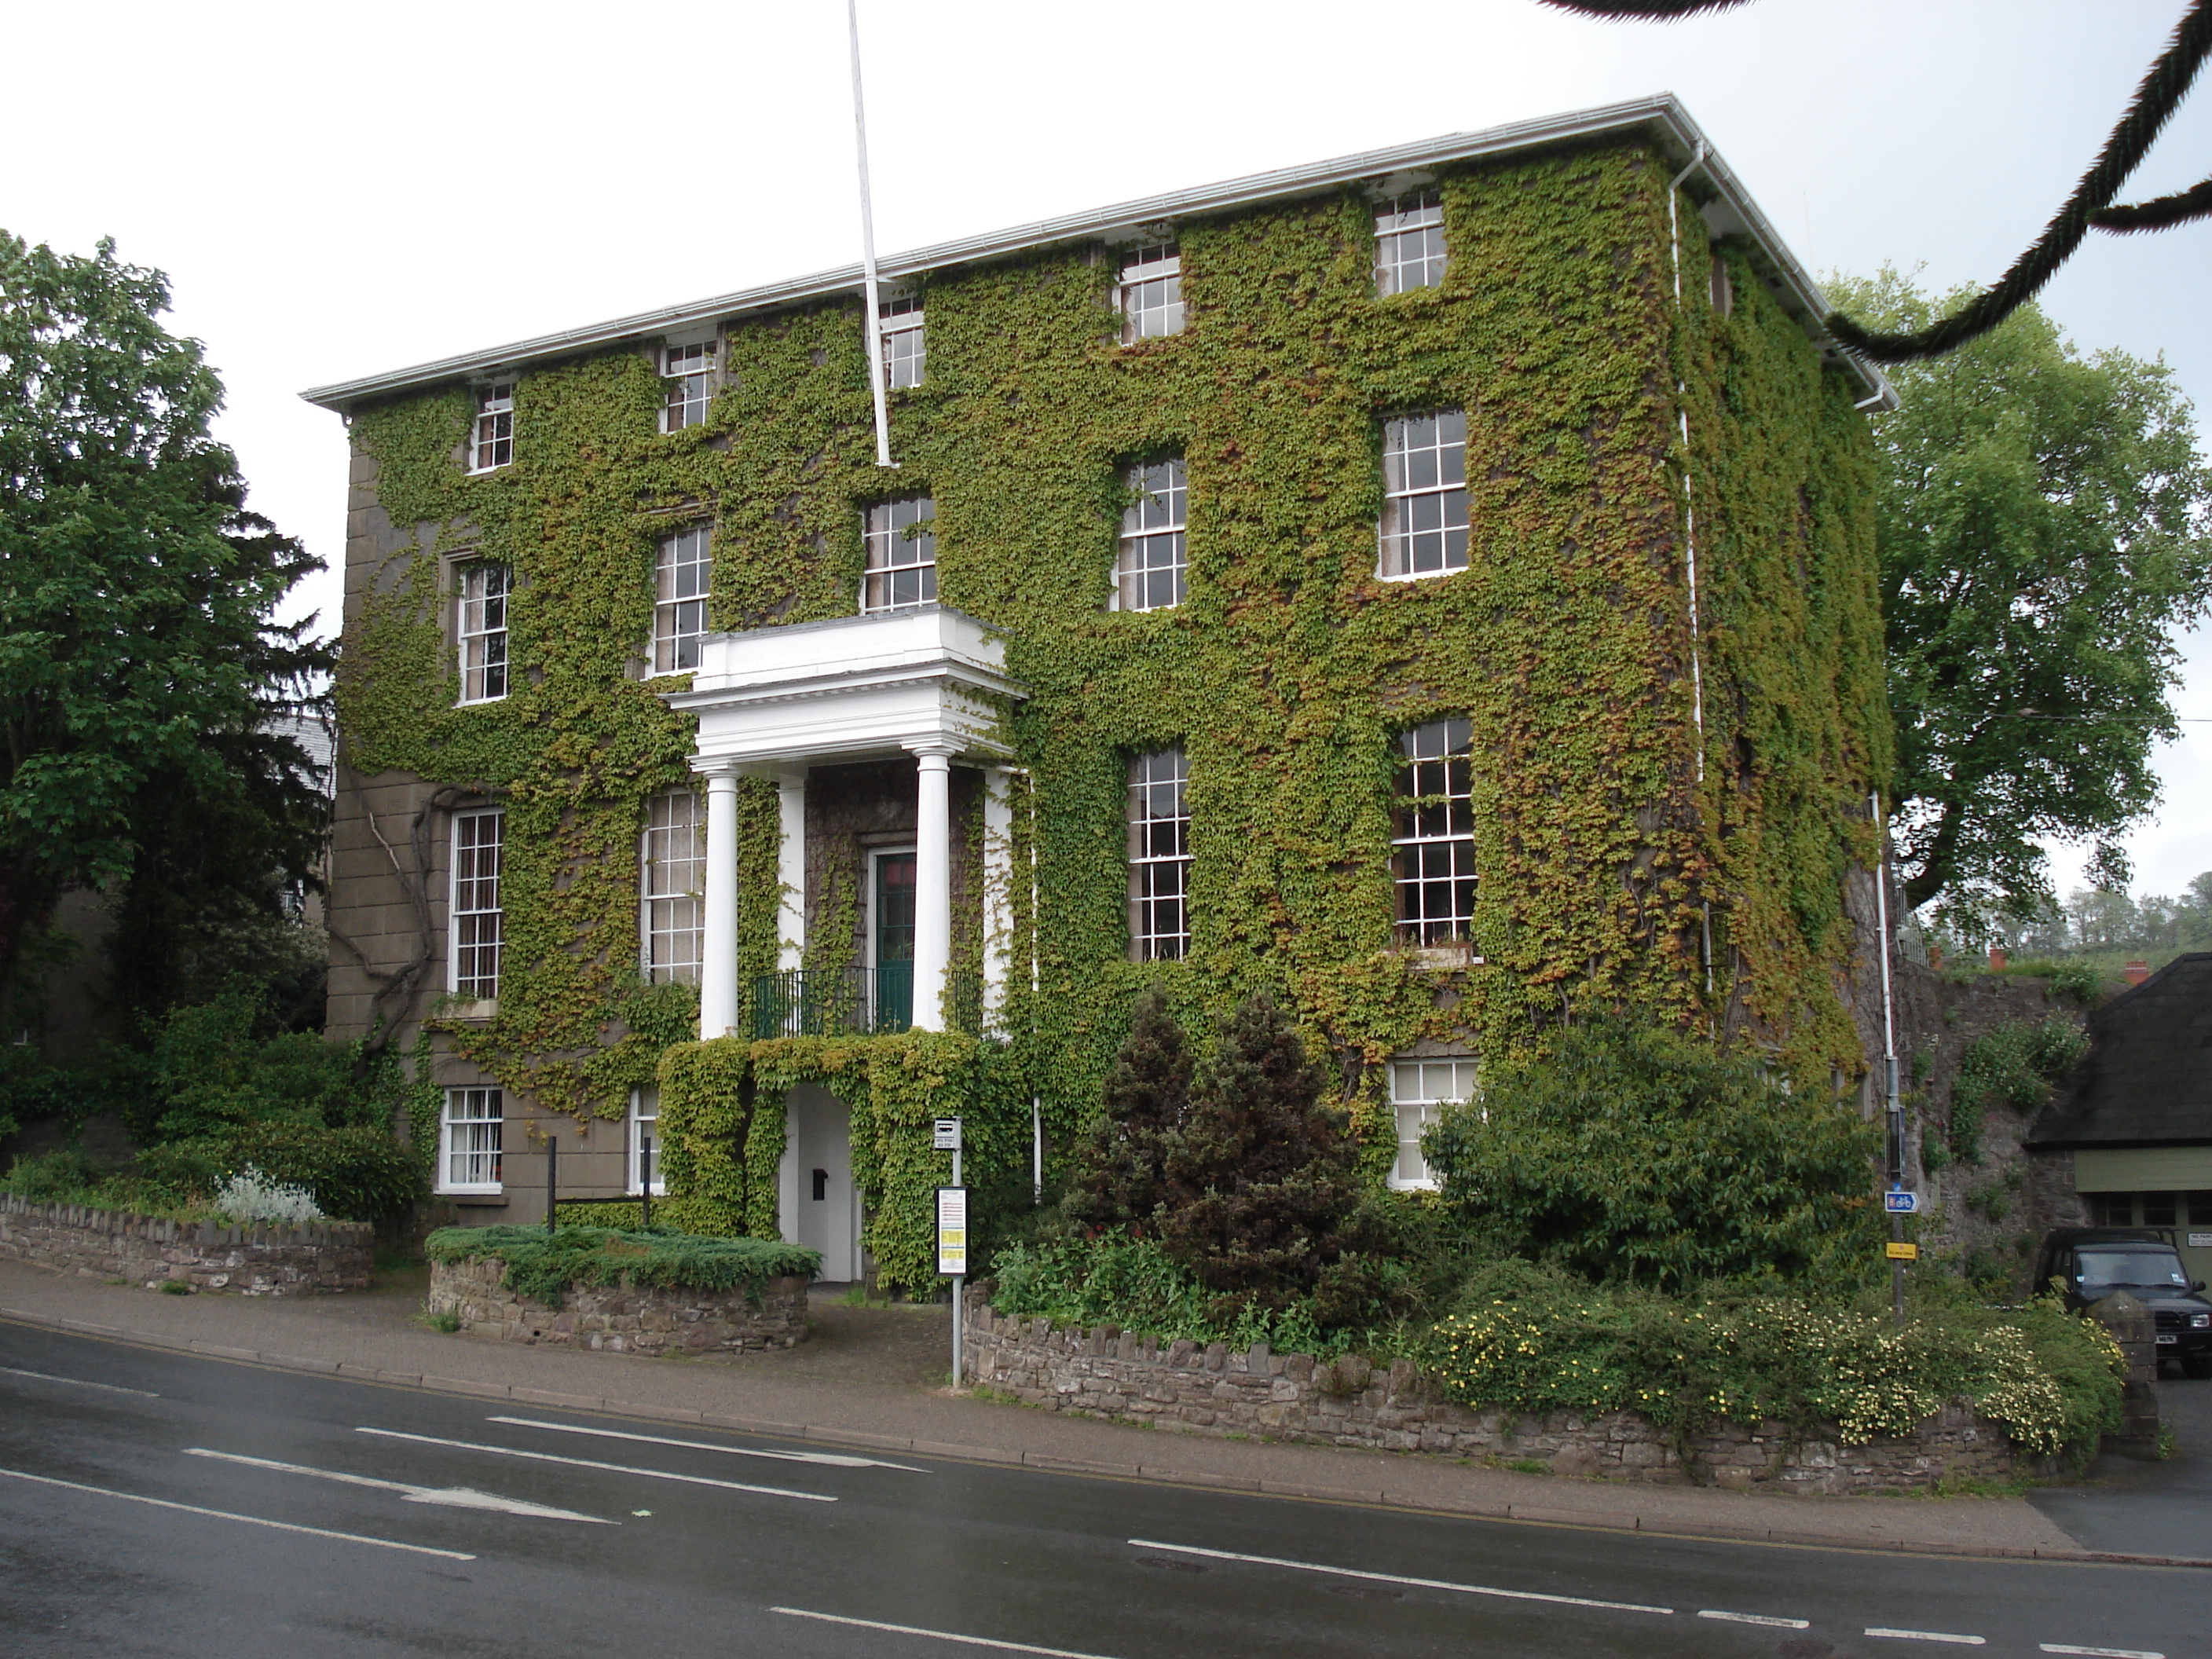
873	1377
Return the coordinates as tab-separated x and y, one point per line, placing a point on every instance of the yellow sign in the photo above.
1902	1252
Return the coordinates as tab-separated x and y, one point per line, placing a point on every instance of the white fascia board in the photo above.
1662	114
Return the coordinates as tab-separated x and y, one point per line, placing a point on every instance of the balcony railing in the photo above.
853	1001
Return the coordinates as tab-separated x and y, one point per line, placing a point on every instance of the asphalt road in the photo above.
2132	1507
159	1504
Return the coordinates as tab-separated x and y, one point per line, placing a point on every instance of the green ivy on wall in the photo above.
1624	855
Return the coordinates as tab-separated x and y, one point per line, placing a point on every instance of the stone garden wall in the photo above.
318	1260
1210	1390
621	1318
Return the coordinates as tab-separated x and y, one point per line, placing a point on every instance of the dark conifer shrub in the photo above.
1120	1177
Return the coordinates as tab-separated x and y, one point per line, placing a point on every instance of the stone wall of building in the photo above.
621	1318
1210	1390
320	1260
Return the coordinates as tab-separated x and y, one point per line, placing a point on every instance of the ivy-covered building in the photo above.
1435	586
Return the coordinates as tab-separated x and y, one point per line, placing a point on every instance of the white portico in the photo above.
776	702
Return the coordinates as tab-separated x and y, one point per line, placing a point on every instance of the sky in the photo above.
336	191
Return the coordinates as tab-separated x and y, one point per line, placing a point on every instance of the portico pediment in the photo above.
928	677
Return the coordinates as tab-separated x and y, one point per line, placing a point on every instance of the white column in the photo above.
791	868
998	899
718	965
933	884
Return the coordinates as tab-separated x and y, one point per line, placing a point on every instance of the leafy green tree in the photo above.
1120	1176
2045	530
1637	1154
143	677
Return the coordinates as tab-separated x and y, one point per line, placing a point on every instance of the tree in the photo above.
2046	530
1121	1180
1635	1153
143	681
1264	1201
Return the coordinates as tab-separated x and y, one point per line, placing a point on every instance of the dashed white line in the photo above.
833	1460
459	1497
1926	1636
937	1635
250	1520
590	1463
79	1383
2101	1653
1755	1618
1395	1578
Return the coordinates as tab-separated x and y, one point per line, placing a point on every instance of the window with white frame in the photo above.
492	442
1419	1091
469	1141
675	877
900	325
687	379
1151	292
645	1140
1409	241
1425	493
682	570
1149	569
1432	833
481	626
475	912
1159	856
901	570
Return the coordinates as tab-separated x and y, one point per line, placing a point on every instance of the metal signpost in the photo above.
952	1231
644	1180
552	1175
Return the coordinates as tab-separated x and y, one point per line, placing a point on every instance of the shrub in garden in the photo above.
353	1174
543	1264
1635	1153
1121	1175
250	1196
1265	1202
2014	1063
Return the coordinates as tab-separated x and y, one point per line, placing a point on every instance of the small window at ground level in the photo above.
469	1141
1424	519
2159	1209
1419	1091
492	442
1723	287
645	1140
1409	242
902	571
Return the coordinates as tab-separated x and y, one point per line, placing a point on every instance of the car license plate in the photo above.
2169	1337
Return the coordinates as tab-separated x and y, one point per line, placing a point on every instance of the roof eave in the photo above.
1663	112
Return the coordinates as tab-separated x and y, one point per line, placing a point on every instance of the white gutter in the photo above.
1679	135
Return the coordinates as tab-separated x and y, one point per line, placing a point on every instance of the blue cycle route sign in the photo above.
1898	1202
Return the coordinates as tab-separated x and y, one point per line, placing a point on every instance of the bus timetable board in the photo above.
952	1231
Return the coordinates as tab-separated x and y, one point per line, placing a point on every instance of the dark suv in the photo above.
2092	1262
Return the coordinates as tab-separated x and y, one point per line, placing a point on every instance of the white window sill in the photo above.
472	1008
1418	576
1430	1185
479	702
1442	958
499	1192
486	472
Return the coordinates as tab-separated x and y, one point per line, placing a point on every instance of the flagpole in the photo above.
874	339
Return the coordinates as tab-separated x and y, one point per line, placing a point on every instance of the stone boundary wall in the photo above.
1271	1397
320	1259
623	1318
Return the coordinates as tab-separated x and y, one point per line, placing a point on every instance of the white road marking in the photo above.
589	1463
1926	1636
79	1383
1394	1579
459	1497
835	1459
1755	1618
938	1635
250	1520
2101	1653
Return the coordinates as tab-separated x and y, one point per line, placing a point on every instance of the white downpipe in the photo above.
874	341
1689	502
